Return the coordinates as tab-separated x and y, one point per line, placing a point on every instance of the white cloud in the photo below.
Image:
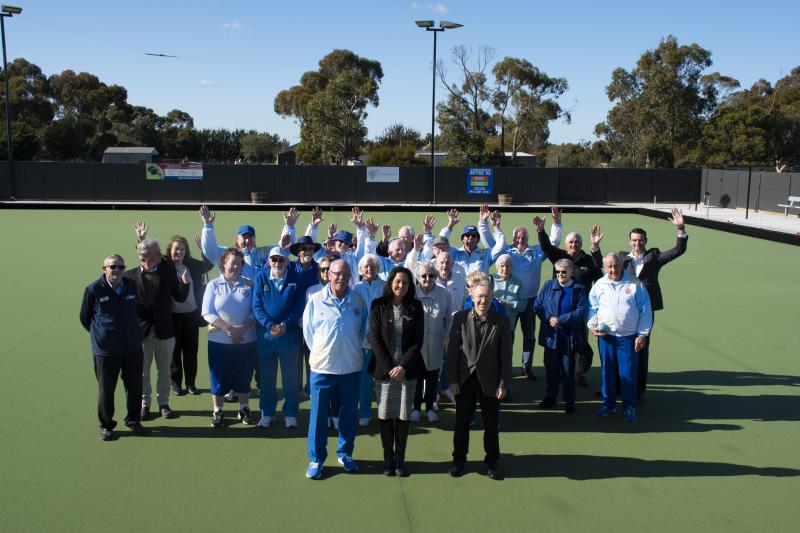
208	83
438	8
414	5
232	26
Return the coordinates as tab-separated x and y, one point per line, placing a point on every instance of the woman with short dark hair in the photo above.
396	334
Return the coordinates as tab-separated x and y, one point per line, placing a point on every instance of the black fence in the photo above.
311	184
729	188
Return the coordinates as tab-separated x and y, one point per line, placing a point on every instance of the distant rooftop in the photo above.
131	150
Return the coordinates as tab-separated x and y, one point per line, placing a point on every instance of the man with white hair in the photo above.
620	317
527	262
255	257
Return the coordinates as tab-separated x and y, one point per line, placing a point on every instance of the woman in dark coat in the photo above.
396	333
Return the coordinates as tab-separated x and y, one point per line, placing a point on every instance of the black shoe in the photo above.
547	403
177	391
598	394
217	419
456	470
191	389
145	414
582	381
529	373
570	408
388	463
166	412
247	417
494	472
400	468
106	434
137	429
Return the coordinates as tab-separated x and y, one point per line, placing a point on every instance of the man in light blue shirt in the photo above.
334	325
469	256
620	316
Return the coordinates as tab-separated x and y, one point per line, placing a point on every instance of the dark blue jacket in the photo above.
272	306
110	318
546	305
308	276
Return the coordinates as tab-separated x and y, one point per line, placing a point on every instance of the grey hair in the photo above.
448	255
425	267
114	256
576	235
482	282
565	263
505	258
395	241
615	256
409	228
144	246
369	259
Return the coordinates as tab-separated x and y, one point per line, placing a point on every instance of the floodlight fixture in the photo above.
11	10
449	25
424	23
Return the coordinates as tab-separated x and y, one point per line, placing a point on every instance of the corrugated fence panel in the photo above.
584	185
679	185
629	185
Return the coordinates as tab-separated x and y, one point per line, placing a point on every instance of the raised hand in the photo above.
332	230
597	236
316	216
418	242
428	223
286	240
206	215
555	212
140	228
538	222
452	218
186	278
357	217
495	219
199	242
387	232
484	213
677	217
371	227
291	216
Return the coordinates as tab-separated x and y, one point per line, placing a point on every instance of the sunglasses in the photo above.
277	259
306	249
115	267
565	272
427	276
323	269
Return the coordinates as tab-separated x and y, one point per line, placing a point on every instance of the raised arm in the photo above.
208	239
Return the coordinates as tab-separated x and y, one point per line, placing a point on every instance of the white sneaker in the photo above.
436	406
264	422
414	416
231	396
291	422
363	422
449	396
336	423
432	416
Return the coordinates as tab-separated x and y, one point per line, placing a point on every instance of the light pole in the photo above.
429	25
7	11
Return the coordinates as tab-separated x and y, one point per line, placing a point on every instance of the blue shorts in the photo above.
231	366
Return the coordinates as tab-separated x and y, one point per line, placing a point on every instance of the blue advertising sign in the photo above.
479	180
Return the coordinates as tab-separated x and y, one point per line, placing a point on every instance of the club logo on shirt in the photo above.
628	290
245	292
356	311
266	287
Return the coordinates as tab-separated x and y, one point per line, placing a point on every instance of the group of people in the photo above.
402	320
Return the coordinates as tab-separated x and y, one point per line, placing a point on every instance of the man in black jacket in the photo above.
157	284
108	313
645	264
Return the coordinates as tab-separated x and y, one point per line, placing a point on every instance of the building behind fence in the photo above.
348	185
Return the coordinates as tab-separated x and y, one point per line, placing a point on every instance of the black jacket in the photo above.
154	298
588	268
198	270
110	318
654	259
381	337
491	359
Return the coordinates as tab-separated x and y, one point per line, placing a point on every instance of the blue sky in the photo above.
236	55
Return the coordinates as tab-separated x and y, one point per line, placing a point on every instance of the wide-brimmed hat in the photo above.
305	240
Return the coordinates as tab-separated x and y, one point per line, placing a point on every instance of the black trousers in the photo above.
184	356
430	382
107	370
465	408
559	369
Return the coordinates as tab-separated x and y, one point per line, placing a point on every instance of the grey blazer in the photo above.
491	360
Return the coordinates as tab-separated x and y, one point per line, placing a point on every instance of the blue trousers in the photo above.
617	353
323	389
559	366
286	350
365	393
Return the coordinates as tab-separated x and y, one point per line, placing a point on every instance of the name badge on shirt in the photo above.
130	297
103	299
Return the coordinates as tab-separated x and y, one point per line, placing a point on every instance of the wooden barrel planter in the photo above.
504	199
258	197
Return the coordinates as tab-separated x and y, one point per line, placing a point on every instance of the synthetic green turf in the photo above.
716	447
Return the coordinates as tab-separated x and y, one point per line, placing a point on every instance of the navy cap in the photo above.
344	236
247	228
470	230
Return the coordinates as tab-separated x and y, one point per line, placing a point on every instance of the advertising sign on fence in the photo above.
383	174
174	171
479	180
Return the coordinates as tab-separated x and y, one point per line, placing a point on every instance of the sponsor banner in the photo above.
383	174
174	171
479	180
